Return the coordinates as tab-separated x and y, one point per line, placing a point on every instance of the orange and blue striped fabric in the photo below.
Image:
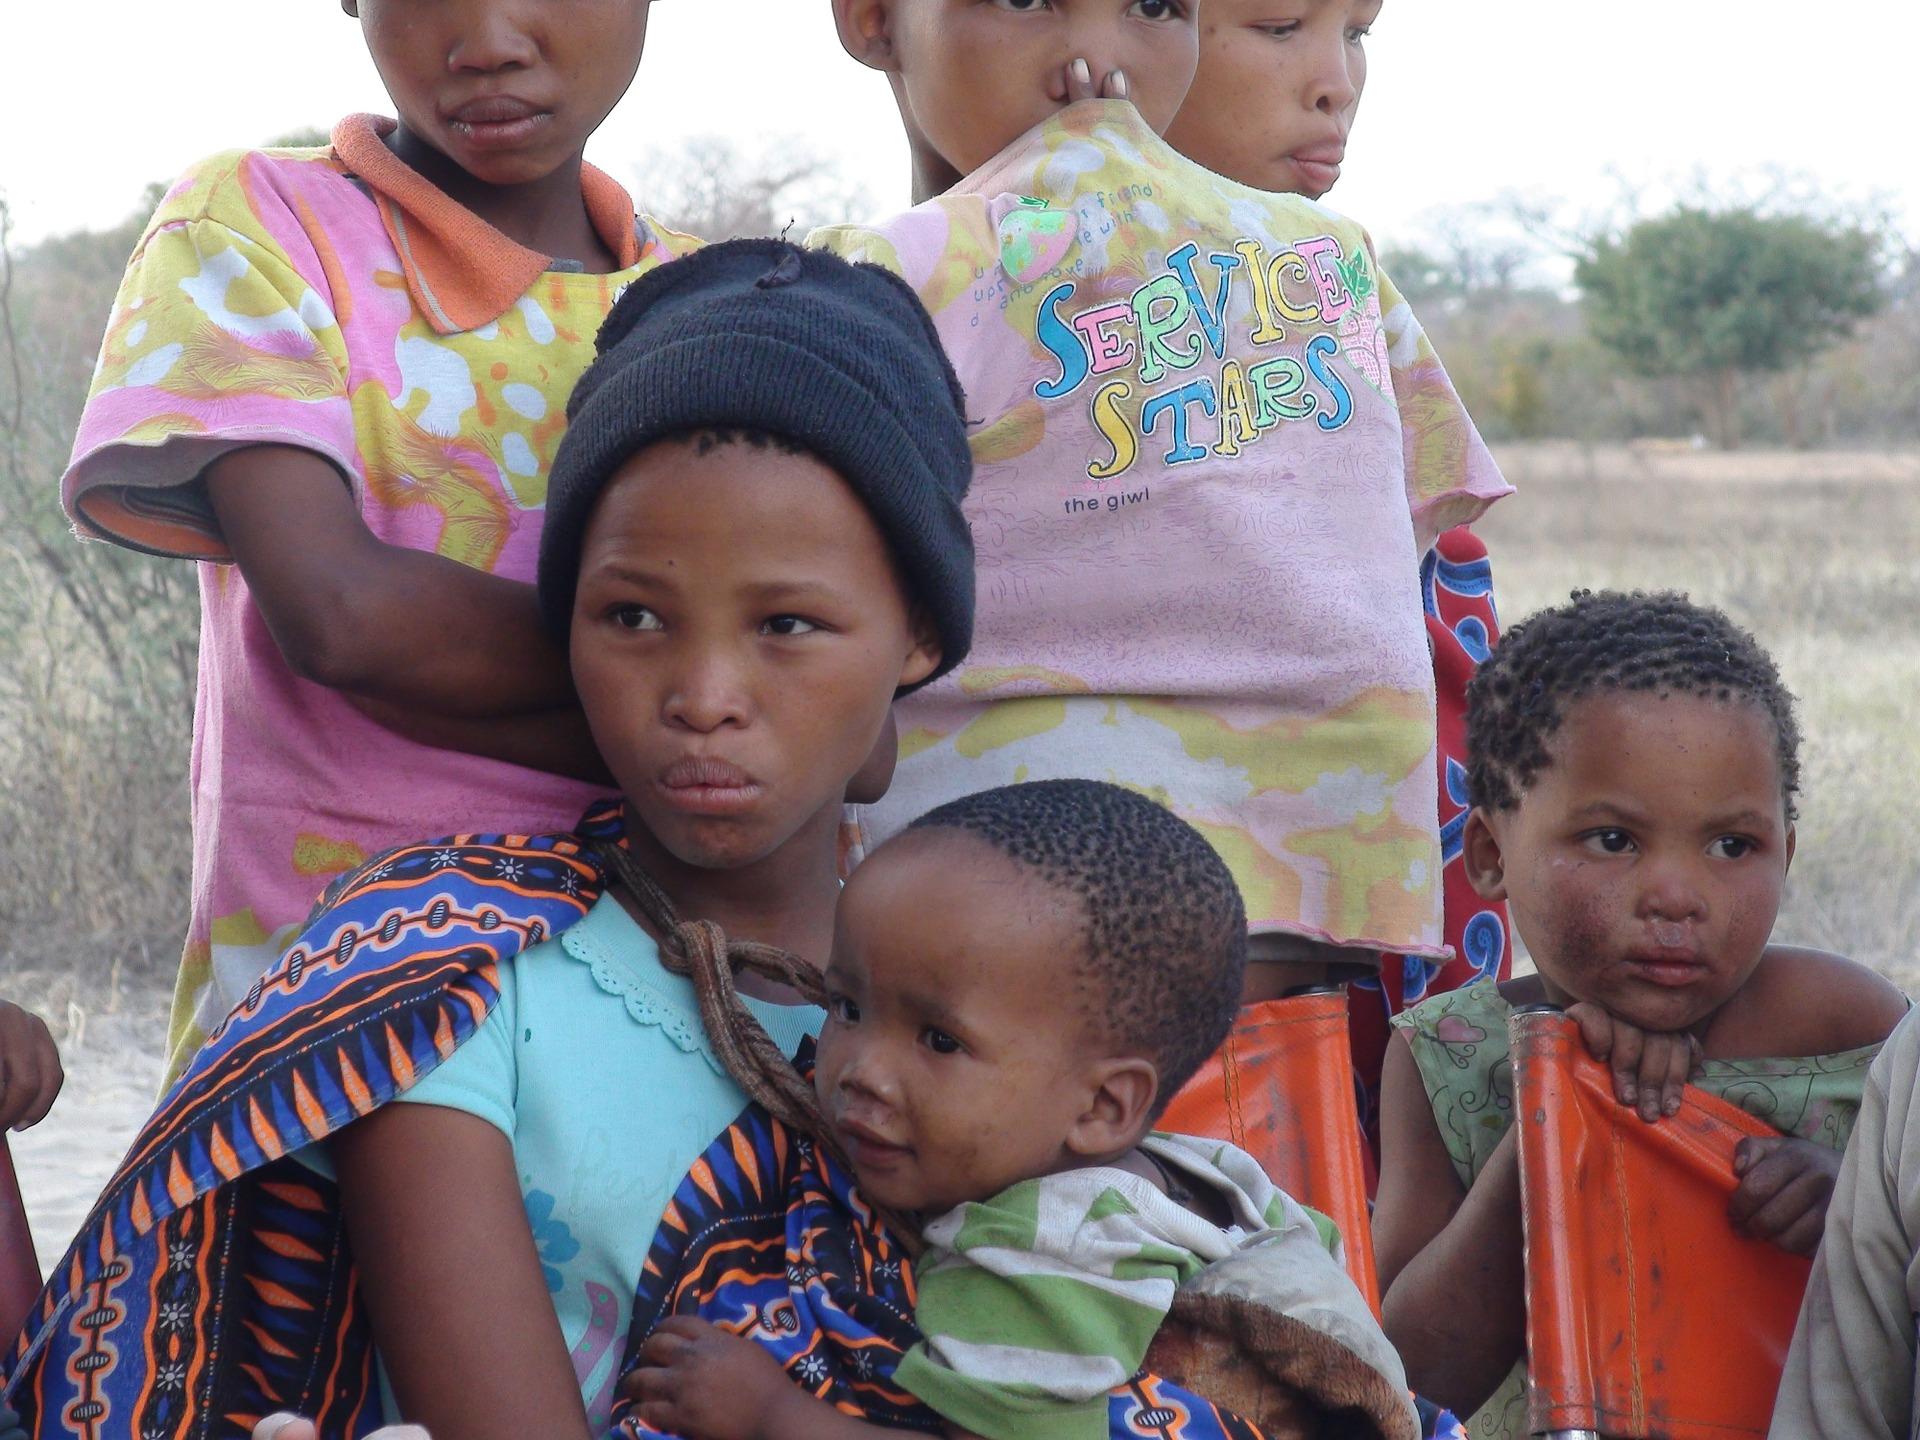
211	1285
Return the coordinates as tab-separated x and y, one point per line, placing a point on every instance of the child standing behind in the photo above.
1272	106
345	371
1212	446
1634	765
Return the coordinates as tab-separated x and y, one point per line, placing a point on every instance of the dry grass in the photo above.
1819	554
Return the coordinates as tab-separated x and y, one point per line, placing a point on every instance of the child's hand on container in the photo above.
1650	1067
30	1073
1785	1185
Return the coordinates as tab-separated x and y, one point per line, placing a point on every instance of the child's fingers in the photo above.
1596	1029
1080	84
663	1345
649	1384
687	1327
1752	1150
19	1087
30	1073
1802	1237
1806	1192
48	1078
35	1109
1117	86
1763	1180
1629	1045
661	1415
1679	1058
285	1426
1773	1164
1789	1178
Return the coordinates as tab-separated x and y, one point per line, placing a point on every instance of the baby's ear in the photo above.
1121	1109
1486	867
866	31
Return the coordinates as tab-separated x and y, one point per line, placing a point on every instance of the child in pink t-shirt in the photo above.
338	376
1272	106
1213	446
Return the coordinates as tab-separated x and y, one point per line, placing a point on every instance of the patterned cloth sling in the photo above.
767	1236
211	1285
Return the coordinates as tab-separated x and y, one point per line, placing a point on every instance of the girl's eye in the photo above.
842	1009
1160	9
1609	842
1358	33
636	617
1279	32
789	625
1023	7
1732	847
941	1043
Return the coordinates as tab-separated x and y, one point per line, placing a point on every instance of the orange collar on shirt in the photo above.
461	272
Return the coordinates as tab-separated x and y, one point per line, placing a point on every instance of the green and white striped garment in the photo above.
1037	1302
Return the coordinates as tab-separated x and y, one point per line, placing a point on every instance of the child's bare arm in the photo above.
348	611
1451	1261
30	1072
452	1278
701	1382
557	741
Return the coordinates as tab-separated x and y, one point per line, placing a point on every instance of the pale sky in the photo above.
1468	98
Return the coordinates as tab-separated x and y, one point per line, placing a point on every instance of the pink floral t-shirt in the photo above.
1213	444
331	299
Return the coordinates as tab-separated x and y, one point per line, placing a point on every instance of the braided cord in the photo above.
701	951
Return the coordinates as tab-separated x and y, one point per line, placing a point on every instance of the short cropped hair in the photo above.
707	440
1166	931
1604	642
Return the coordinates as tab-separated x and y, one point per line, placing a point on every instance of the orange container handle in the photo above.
1281	1088
19	1267
1647	1314
1559	1339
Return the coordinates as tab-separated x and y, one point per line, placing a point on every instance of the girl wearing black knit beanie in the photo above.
477	1057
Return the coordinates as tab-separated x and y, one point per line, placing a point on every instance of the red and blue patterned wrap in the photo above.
211	1285
1456	583
768	1237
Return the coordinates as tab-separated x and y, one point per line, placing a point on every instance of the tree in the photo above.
97	644
710	189
1704	296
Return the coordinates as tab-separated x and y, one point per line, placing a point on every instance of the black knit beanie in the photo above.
840	359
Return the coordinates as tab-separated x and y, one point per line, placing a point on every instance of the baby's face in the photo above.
975	75
1278	89
956	1056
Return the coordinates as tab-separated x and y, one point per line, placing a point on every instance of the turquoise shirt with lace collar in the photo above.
594	1064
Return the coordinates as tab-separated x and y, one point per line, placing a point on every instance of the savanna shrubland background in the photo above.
1765	458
